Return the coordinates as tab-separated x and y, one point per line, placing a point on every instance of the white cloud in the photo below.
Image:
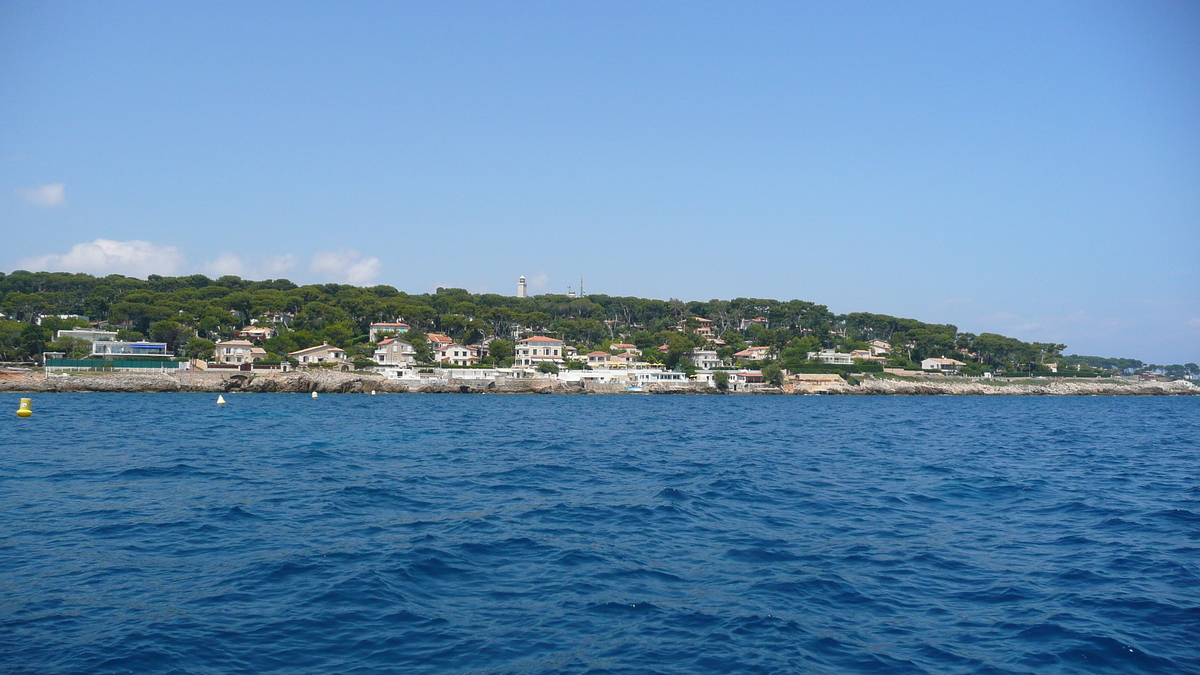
227	264
104	256
1194	323
50	195
347	267
257	268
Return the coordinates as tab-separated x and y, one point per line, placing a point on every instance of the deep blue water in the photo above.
159	533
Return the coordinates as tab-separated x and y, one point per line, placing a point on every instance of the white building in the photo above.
120	348
828	356
705	359
85	334
650	376
456	354
521	288
598	376
942	365
539	349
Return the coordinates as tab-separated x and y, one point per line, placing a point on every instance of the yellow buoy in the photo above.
24	410
314	394
220	400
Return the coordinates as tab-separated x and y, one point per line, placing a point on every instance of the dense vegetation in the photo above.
191	313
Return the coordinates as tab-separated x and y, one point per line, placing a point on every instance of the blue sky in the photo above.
1029	169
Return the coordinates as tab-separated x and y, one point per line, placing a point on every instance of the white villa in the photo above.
539	349
456	354
705	359
120	348
942	365
89	335
648	376
880	347
831	357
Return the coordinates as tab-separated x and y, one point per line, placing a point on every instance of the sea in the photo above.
488	534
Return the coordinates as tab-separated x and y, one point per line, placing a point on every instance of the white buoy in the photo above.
314	394
220	400
372	392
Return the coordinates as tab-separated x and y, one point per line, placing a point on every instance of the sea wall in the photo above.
354	383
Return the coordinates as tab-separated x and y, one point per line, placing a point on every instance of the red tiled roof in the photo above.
540	338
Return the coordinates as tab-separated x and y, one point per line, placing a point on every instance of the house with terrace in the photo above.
395	352
539	349
323	353
379	331
456	354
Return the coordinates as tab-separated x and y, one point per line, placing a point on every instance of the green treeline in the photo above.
190	313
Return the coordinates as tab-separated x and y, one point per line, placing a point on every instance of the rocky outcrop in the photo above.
957	387
333	382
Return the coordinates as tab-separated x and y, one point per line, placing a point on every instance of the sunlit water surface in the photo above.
161	533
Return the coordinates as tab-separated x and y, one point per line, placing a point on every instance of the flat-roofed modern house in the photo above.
238	351
324	353
650	376
395	352
830	357
539	349
942	365
380	330
86	334
127	349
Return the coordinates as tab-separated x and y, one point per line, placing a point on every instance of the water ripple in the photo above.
527	534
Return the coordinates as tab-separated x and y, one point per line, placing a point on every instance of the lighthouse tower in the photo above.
521	288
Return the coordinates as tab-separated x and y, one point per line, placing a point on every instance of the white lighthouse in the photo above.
521	288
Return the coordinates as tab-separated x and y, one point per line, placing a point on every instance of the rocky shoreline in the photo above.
361	383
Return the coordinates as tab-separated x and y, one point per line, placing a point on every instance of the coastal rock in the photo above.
335	382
